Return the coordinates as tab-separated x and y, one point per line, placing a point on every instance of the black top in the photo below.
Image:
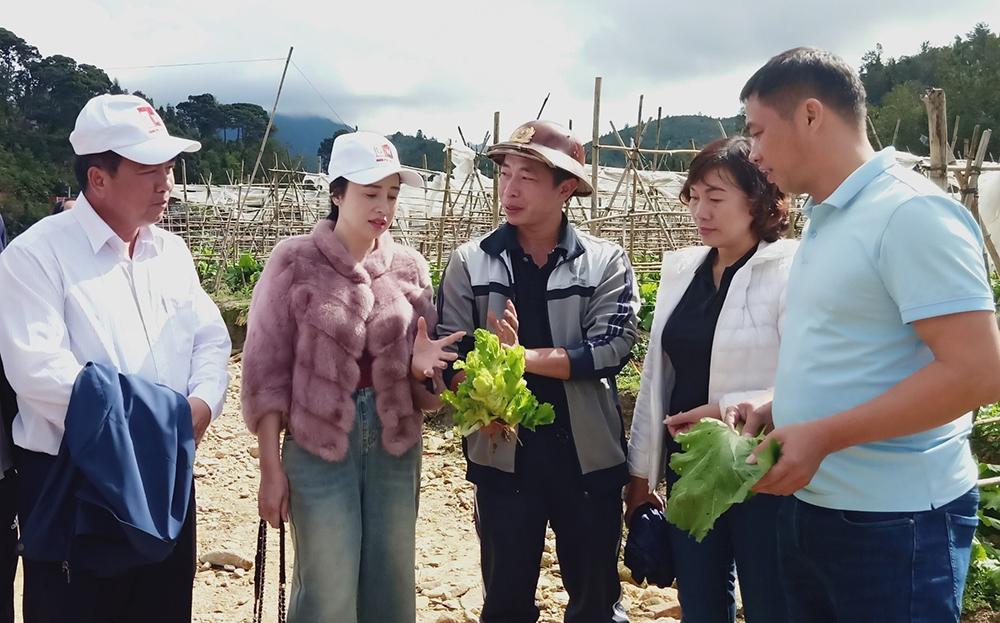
547	457
690	330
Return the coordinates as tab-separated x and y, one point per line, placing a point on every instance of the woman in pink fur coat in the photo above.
337	356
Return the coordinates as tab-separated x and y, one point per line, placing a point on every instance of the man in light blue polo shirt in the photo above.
889	342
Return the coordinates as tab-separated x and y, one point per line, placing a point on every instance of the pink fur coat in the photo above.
314	311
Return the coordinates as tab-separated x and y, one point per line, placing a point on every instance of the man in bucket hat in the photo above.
570	299
102	283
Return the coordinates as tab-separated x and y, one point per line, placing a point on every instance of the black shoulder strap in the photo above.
260	562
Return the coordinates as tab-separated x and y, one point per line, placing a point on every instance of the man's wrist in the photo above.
830	434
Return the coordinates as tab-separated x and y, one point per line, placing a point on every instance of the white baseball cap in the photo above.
367	157
130	127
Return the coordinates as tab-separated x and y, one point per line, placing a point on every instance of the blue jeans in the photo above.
851	566
353	526
744	538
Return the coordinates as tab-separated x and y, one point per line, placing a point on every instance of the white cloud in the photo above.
441	64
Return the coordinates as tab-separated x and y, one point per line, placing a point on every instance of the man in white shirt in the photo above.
101	283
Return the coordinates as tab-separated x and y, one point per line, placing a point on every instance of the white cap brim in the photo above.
157	151
377	174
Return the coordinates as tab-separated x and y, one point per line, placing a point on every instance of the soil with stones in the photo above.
449	588
448	581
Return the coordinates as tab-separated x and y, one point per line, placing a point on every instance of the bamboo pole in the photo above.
664	152
895	133
595	152
496	173
970	196
445	201
631	212
263	143
871	126
656	142
954	134
937	122
544	102
722	130
639	125
184	179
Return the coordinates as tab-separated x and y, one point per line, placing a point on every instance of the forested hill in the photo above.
969	72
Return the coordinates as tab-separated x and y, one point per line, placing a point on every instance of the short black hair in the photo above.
560	175
106	160
800	73
337	189
731	156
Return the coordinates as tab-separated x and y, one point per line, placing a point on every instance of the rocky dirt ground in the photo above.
448	583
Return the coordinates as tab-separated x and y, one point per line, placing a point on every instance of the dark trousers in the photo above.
157	593
8	544
511	528
743	542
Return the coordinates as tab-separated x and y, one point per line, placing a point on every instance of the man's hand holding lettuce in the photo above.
494	389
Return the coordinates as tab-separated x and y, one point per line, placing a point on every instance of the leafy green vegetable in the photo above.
714	474
982	585
494	389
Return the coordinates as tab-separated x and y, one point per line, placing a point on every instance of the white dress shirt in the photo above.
70	294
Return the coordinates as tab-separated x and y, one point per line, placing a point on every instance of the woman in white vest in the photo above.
714	345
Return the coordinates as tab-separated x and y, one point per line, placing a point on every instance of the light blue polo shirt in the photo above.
887	248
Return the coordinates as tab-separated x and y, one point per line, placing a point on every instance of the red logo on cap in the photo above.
383	153
154	118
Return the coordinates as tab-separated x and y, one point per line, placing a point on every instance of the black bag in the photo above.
260	562
647	550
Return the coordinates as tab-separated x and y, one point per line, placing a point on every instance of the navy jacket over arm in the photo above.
120	488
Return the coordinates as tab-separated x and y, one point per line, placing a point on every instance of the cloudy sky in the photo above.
436	65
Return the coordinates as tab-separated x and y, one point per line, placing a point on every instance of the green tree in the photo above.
249	120
202	113
16	56
59	88
968	70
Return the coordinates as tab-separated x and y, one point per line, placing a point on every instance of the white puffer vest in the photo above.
744	352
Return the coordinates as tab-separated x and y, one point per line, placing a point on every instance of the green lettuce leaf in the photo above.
494	389
714	474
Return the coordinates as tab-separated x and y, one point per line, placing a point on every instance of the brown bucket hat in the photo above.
548	142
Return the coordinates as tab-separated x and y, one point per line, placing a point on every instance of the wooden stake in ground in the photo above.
595	153
228	234
970	194
496	172
871	126
937	123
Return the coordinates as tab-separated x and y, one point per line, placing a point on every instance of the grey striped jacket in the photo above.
592	303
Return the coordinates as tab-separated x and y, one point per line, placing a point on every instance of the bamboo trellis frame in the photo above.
636	205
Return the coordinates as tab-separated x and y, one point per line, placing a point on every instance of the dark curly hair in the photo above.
768	207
